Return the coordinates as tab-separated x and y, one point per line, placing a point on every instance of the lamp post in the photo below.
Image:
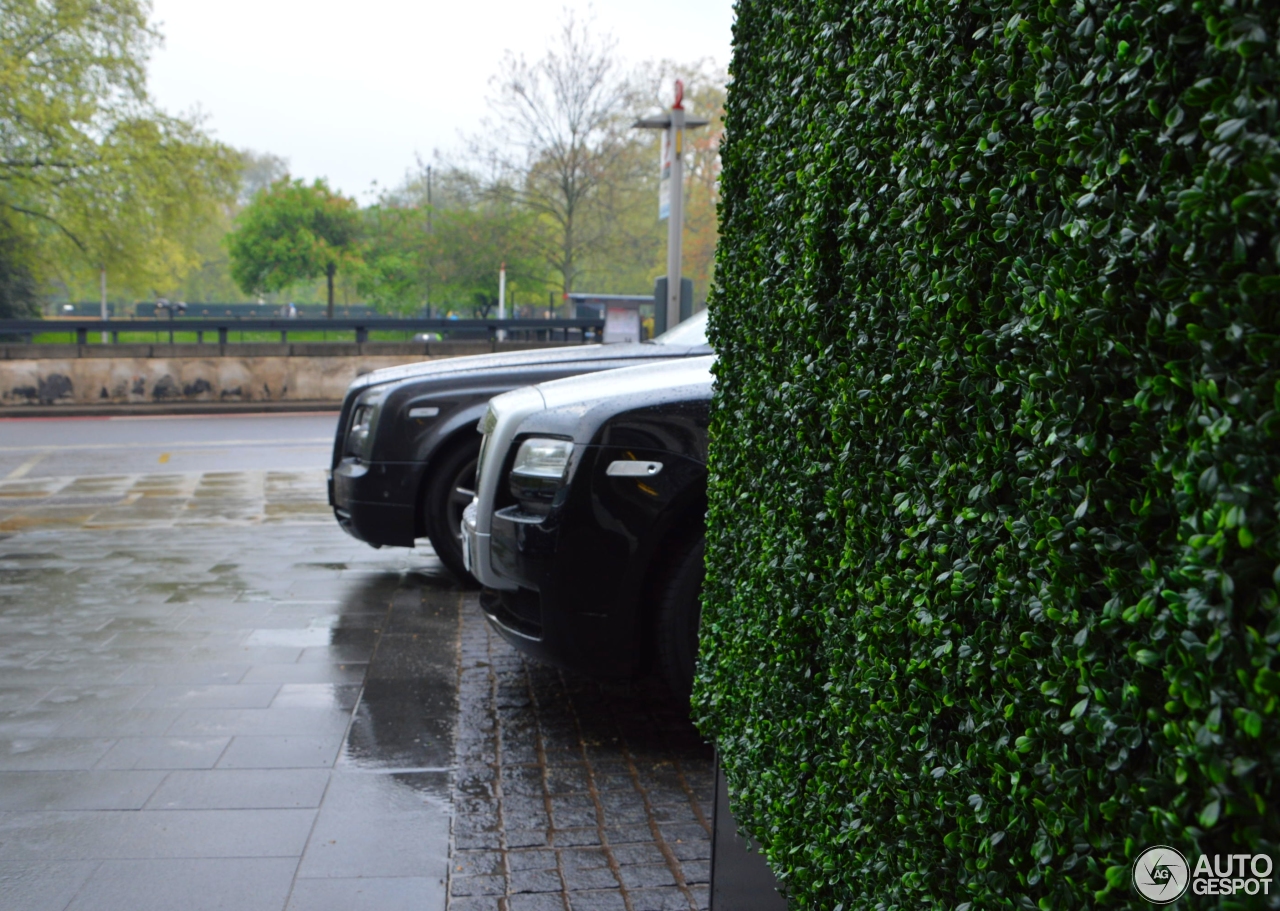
671	190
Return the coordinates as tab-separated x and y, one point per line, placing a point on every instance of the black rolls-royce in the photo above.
404	457
587	528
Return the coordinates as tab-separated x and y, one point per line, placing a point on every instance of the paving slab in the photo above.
202	884
43	885
240	789
89	790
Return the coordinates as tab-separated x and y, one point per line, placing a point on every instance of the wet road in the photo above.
51	447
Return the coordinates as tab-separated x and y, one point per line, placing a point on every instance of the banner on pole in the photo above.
664	179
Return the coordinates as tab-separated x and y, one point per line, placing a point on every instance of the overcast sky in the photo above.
352	90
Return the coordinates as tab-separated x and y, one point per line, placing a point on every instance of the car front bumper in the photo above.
475	551
377	502
562	603
594	645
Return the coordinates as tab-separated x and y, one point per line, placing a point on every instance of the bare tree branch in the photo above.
558	123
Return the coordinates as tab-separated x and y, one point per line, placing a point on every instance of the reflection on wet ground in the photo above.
212	698
221	715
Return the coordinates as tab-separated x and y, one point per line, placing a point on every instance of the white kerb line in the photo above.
24	469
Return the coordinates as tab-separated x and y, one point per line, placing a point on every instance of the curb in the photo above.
166	408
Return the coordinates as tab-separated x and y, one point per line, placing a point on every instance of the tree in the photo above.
258	171
394	274
18	294
210	280
561	125
449	249
470	245
562	146
103	178
292	232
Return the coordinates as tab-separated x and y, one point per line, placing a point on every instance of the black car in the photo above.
405	454
587	529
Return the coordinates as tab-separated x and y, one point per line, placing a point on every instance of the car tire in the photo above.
679	611
450	487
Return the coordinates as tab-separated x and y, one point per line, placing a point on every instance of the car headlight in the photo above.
364	418
539	471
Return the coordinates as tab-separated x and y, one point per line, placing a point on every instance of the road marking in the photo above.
186	444
164	457
8	414
24	469
197	450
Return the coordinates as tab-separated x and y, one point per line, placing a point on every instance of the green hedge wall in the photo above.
992	560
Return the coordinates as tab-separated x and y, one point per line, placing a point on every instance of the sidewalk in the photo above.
211	697
220	715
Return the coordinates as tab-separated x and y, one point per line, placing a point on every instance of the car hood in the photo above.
627	381
506	359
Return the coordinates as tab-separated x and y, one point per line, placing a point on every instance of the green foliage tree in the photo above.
992	599
394	275
292	232
449	250
19	297
210	281
106	180
469	247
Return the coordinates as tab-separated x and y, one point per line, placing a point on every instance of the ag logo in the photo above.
1161	874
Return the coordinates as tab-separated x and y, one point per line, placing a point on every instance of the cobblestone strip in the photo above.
673	863
529	879
572	795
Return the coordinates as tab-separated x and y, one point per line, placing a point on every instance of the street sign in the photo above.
621	322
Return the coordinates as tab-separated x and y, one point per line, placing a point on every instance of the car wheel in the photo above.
450	488
679	610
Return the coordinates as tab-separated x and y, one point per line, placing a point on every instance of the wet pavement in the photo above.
210	697
215	717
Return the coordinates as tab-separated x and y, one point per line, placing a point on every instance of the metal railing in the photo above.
582	330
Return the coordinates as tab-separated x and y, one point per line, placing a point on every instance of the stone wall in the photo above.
136	374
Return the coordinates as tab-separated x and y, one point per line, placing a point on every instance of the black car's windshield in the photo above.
692	331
